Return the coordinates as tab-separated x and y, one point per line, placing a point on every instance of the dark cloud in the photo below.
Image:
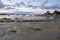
1	4
43	4
55	5
31	6
19	4
22	3
9	0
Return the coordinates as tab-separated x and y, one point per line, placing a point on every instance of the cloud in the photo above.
6	11
1	4
22	3
9	0
51	4
32	6
9	7
43	4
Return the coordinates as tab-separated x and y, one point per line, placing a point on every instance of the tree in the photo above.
56	12
48	13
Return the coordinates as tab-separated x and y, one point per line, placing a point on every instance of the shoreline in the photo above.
30	21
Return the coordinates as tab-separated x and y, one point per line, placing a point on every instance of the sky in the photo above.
37	6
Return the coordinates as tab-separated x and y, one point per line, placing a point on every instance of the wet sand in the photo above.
49	30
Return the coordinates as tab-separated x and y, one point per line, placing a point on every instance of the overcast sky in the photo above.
30	5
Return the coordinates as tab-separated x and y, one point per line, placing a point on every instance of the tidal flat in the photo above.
45	30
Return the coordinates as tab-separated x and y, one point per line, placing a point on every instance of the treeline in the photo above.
54	13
